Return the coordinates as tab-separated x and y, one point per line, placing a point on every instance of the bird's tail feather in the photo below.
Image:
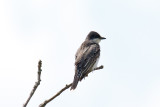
75	82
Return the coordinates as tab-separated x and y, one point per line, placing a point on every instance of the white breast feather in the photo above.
95	65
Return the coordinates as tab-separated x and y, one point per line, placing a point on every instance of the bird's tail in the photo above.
75	82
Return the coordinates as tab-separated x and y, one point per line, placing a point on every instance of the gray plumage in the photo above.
86	57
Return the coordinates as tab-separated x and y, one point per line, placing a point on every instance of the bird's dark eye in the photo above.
95	36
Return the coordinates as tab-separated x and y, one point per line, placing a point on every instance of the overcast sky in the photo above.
52	30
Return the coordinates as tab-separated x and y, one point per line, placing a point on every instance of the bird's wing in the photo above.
86	58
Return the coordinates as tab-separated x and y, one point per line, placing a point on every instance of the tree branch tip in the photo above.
37	83
39	65
39	62
101	67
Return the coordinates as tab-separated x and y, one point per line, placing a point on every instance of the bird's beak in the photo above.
103	38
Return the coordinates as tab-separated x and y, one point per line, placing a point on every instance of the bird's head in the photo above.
95	37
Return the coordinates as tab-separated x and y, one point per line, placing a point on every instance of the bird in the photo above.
87	57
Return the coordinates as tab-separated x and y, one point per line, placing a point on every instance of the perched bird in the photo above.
87	57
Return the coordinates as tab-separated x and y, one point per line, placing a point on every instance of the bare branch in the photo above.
63	89
47	101
36	83
100	67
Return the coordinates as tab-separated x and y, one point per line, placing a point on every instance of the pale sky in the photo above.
52	30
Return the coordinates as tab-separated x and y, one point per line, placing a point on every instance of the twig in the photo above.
36	83
63	89
47	101
100	67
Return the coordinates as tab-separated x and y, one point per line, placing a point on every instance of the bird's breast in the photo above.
95	65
